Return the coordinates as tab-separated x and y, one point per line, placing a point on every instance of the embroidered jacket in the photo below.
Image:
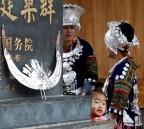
122	92
79	65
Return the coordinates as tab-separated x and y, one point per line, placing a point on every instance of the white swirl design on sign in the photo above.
35	77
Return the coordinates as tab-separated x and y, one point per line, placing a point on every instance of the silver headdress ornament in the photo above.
71	15
115	39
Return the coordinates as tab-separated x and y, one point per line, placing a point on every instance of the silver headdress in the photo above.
71	15
115	39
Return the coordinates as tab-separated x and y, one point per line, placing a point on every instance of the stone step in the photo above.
87	124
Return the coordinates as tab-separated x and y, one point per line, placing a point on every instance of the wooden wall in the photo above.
94	25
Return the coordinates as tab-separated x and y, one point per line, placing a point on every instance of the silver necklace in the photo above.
69	75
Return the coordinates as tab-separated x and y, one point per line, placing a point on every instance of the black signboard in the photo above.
31	30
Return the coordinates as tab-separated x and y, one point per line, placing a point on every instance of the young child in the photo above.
98	103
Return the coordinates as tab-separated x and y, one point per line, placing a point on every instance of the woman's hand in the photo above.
114	117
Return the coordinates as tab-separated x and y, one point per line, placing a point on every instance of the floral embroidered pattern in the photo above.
92	68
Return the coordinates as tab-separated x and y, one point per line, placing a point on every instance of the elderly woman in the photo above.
79	61
121	85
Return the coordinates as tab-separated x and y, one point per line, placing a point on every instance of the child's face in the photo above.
98	104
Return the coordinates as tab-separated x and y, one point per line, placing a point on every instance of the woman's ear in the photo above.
74	39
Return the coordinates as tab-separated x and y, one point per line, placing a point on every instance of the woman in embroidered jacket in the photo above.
79	61
121	85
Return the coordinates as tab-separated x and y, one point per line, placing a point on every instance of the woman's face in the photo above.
69	33
109	53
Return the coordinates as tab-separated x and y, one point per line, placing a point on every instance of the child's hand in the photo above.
99	118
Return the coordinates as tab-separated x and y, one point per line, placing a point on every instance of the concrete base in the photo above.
18	113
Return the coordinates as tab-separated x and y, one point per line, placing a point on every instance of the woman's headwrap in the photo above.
71	15
115	39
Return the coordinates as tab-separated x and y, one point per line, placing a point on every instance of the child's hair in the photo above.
97	88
